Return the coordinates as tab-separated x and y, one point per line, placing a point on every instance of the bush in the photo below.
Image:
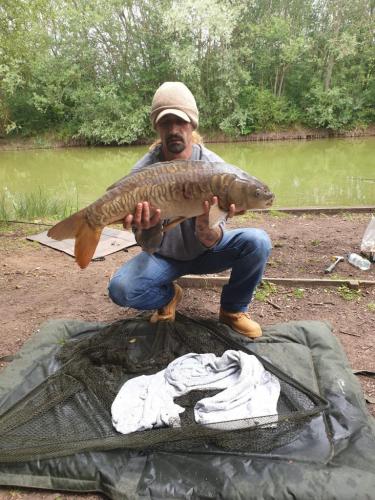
333	109
106	117
259	110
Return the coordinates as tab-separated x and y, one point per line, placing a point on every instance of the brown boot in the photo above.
241	323
168	312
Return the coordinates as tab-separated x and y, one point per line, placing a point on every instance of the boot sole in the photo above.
241	332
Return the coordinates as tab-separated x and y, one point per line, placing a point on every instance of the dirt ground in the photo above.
38	284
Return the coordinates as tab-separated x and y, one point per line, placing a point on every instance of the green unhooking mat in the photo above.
56	430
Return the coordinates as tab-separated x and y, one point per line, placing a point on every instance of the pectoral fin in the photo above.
216	215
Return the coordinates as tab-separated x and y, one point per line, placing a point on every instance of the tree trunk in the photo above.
328	72
282	79
276	82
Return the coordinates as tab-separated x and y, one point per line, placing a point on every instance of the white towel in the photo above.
249	391
145	402
252	392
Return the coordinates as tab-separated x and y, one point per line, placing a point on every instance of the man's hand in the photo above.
210	236
144	217
232	211
206	235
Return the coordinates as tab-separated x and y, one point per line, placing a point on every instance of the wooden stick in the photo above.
273	304
349	333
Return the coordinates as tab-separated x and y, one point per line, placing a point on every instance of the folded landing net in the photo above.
70	411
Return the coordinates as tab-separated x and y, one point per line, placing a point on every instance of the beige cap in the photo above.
176	99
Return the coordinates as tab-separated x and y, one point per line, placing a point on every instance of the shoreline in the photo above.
302	134
305	134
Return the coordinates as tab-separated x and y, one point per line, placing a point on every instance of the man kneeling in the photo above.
192	247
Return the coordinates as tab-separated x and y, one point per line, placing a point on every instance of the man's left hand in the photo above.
206	235
232	211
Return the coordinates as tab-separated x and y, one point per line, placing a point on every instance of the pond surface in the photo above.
326	172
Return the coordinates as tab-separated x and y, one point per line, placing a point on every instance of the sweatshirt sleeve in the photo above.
149	239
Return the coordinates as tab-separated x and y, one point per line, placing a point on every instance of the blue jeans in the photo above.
145	282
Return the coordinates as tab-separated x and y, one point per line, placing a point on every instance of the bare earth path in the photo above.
38	284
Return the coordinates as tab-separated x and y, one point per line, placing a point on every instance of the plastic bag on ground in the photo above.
368	241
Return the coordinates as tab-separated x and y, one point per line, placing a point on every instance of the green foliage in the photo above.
89	69
264	290
258	110
107	117
315	243
299	293
4	212
333	109
37	204
371	306
349	293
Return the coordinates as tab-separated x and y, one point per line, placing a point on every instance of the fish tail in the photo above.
87	240
67	228
86	237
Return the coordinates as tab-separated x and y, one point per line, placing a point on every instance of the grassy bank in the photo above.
36	205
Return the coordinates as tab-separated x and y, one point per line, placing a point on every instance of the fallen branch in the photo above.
349	333
273	304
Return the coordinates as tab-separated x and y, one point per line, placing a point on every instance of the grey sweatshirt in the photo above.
179	243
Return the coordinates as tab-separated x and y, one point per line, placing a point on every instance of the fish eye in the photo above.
257	192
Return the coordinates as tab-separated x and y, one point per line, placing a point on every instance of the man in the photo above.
192	247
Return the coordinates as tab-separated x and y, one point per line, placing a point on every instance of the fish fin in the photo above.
86	237
173	223
115	184
67	228
87	240
216	215
111	186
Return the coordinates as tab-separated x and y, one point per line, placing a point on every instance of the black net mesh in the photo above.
71	411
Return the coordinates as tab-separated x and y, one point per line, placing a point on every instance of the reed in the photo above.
4	211
36	204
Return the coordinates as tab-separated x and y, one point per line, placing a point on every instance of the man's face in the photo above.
175	135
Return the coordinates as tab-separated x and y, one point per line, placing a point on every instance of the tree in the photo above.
89	68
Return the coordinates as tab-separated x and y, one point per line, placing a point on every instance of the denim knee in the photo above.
116	291
258	241
137	293
124	294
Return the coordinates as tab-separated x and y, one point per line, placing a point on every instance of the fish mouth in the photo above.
270	200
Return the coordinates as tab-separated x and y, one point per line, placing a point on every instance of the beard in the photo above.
175	147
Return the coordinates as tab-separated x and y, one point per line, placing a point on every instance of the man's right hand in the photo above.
144	217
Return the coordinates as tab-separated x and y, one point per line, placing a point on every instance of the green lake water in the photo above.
327	172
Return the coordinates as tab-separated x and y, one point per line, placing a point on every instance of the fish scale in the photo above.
177	188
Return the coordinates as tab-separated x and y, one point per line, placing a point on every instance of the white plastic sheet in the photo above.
368	241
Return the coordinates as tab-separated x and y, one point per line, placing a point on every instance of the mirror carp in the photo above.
178	188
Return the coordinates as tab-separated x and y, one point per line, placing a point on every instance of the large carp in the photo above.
178	188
